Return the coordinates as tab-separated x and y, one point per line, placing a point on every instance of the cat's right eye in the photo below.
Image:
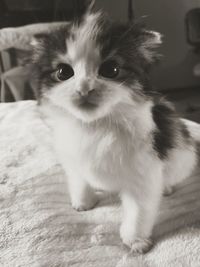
63	72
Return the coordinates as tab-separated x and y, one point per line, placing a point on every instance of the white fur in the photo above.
180	165
85	40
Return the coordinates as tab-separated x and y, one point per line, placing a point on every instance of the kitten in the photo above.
111	131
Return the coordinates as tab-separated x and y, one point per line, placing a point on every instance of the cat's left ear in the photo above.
149	42
152	39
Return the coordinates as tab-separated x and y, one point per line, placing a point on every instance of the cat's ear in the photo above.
152	39
143	41
38	44
38	40
149	42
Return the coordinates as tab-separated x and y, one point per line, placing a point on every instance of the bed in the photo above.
38	226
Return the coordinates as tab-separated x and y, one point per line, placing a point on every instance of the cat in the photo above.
112	131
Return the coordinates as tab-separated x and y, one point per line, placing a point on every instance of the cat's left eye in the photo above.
109	69
64	72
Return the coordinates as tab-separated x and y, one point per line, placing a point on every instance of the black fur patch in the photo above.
124	41
43	55
164	136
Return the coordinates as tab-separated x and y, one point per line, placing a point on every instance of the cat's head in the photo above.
92	66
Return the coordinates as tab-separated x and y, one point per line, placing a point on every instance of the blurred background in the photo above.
178	74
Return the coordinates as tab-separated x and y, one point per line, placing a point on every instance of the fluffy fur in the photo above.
112	133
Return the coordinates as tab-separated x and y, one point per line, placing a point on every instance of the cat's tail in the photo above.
194	129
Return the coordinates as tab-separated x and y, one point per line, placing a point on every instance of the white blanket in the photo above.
39	228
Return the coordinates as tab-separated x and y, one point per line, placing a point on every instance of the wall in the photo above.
118	9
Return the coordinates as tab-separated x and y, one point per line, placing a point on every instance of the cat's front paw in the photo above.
136	245
140	245
85	205
169	190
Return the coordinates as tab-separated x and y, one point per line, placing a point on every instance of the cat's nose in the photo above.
85	88
85	93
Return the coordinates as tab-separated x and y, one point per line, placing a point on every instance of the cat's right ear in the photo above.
39	40
38	44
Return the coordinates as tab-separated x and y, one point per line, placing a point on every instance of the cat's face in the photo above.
92	67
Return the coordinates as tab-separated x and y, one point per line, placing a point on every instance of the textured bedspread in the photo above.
38	227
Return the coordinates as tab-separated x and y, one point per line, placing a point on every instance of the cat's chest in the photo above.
104	157
98	147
